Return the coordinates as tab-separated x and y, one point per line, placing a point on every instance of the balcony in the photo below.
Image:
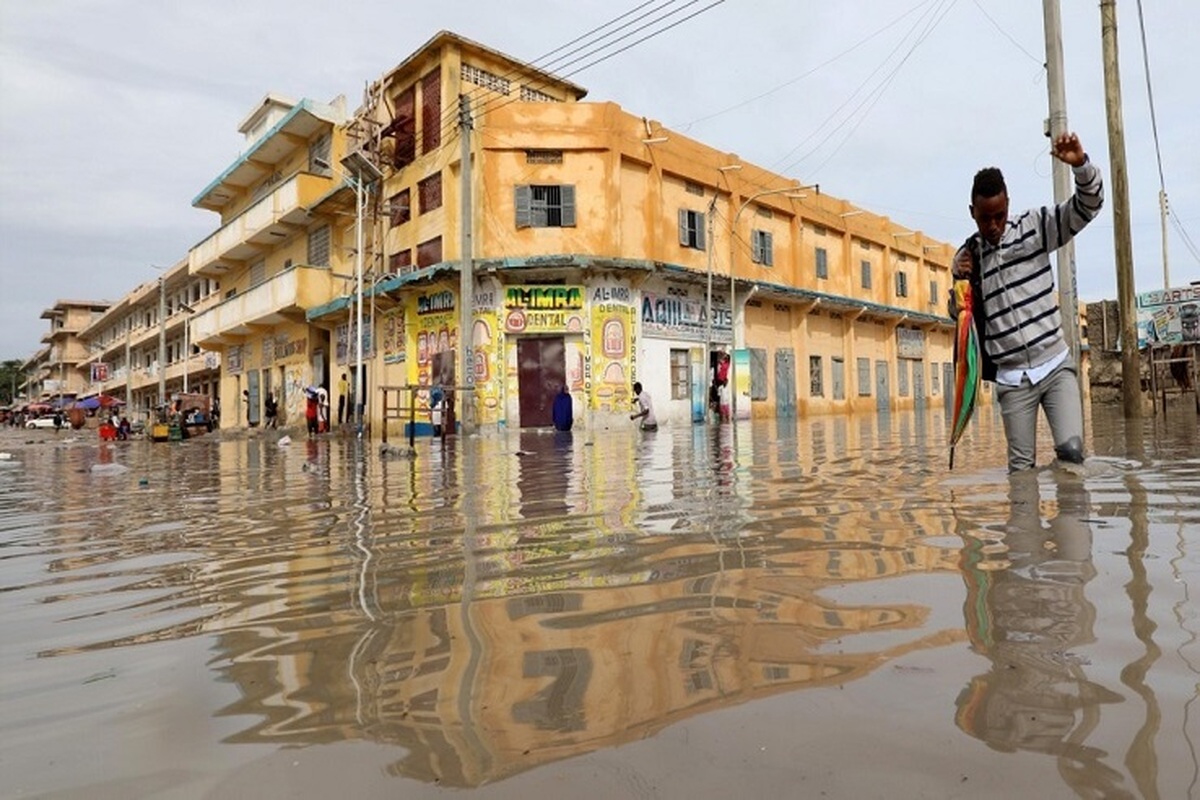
286	295
272	219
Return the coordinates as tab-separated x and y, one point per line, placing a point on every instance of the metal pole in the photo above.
162	342
1068	302
128	371
359	202
187	350
1131	362
708	330
466	293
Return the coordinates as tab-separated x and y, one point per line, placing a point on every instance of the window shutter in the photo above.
755	247
568	206
683	227
699	231
522	201
768	249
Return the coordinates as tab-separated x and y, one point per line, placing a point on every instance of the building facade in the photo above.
607	249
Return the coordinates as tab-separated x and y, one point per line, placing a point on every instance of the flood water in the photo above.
792	609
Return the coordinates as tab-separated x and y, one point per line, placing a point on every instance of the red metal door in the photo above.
541	370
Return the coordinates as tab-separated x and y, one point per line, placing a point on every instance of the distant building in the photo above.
58	367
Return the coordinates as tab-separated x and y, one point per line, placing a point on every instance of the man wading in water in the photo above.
1016	308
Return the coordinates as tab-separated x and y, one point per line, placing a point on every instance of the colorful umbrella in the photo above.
966	363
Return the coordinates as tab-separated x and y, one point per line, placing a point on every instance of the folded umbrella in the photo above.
966	363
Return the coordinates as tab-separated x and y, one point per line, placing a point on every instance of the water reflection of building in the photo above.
579	633
1026	610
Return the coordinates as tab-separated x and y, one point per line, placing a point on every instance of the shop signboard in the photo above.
1168	316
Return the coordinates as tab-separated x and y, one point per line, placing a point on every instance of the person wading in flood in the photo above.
1016	307
645	410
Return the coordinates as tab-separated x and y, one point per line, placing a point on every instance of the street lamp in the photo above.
794	192
360	169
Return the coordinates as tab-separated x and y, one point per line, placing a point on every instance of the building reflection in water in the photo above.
1027	611
606	587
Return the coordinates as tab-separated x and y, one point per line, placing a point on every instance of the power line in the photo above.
1007	35
548	65
488	106
687	126
930	21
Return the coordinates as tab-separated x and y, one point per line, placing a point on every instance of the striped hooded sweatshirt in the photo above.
1016	306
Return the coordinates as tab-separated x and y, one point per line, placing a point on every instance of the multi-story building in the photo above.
595	234
605	249
58	373
141	346
274	256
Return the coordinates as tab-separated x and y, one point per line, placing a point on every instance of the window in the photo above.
762	249
429	193
545	206
691	229
934	382
693	188
403	128
816	381
681	375
837	369
758	373
318	150
318	247
481	77
258	273
901	284
532	95
822	263
902	377
431	111
543	156
864	377
866	274
400	208
933	292
429	253
400	263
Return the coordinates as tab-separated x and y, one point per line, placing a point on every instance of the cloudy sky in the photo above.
114	115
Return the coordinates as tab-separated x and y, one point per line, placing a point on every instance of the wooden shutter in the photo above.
568	206
523	196
755	247
699	229
768	247
758	373
683	227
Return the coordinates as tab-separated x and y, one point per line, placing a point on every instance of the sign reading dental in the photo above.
543	309
675	315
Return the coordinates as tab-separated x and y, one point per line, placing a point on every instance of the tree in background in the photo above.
11	378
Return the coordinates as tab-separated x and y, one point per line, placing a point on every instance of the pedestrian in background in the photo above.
272	411
343	389
645	410
563	411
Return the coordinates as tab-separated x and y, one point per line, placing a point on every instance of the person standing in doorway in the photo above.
343	389
645	410
311	411
271	408
1016	307
563	411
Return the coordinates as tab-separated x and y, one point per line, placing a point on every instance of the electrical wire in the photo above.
493	105
548	65
1040	62
930	20
687	126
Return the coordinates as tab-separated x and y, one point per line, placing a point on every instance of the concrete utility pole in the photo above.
1068	302
708	307
466	292
162	341
1131	362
